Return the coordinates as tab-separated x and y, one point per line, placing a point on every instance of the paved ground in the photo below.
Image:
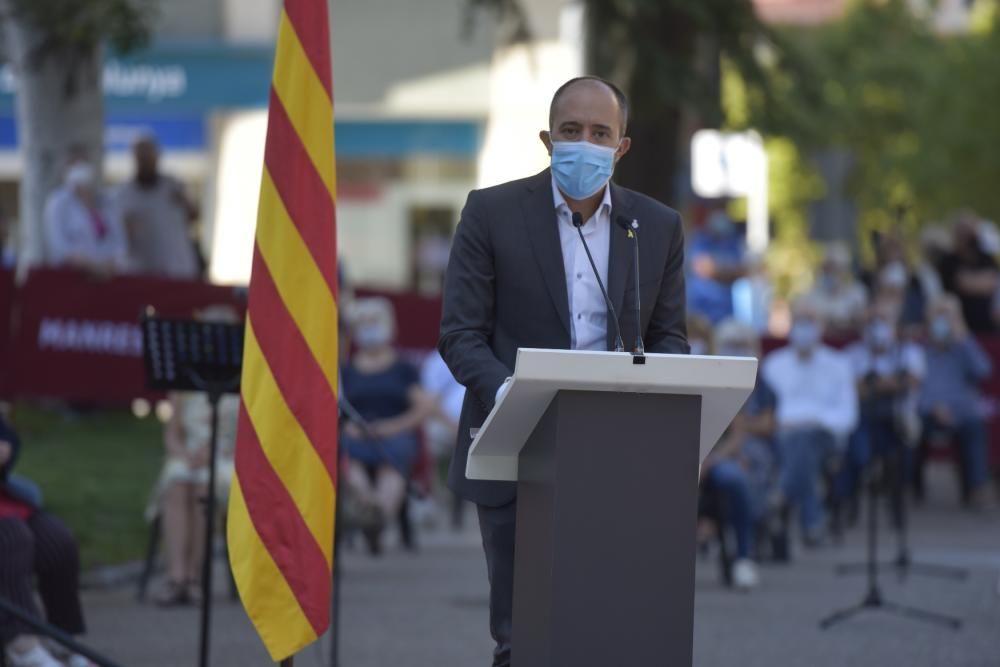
430	609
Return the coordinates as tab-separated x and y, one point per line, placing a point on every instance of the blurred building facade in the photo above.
414	99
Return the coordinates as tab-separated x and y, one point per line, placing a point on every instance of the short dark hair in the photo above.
619	96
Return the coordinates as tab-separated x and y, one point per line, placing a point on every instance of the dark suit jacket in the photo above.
506	288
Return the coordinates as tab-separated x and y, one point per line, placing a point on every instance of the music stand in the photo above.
192	355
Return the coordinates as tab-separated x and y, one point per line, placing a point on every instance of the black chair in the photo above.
712	507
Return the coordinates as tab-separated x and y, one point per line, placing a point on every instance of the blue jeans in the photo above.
876	437
728	479
802	456
872	437
970	435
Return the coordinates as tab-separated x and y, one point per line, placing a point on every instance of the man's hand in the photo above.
704	266
352	430
6	450
197	458
943	414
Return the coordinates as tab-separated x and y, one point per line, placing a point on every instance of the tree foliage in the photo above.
665	55
75	26
917	111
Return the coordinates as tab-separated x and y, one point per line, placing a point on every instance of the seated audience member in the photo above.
183	482
888	373
35	548
893	282
386	392
950	401
753	295
839	298
79	228
741	467
714	261
971	273
441	427
816	410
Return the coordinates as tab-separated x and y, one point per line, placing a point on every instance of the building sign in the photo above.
177	77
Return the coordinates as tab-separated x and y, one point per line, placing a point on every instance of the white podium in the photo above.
605	452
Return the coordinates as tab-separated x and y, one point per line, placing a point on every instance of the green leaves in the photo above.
72	26
919	112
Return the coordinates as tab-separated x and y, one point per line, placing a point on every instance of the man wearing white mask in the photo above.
519	276
817	408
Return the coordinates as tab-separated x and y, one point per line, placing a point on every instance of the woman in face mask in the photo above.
950	402
385	391
838	297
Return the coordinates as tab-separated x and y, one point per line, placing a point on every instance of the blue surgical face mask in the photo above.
720	224
940	329
880	334
804	335
581	168
372	335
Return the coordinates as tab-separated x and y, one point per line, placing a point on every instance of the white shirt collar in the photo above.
561	205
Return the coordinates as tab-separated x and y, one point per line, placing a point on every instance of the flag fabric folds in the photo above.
281	507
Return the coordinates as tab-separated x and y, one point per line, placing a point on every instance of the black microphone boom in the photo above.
632	227
619	343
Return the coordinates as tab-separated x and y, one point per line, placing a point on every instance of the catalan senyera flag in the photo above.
281	507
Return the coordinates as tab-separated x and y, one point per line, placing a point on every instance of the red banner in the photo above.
74	337
78	337
6	329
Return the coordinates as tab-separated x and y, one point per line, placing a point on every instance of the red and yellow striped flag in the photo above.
281	507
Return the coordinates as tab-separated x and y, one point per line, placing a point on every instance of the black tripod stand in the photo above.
873	598
903	563
347	413
190	355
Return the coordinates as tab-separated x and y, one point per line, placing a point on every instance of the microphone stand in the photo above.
619	343
632	229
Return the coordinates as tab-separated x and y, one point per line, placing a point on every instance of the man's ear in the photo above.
546	138
626	143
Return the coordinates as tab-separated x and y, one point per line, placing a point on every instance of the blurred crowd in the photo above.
881	365
875	366
725	280
145	226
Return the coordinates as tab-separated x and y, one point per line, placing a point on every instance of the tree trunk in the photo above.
59	108
658	60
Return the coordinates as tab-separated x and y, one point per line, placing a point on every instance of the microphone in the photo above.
632	228
619	344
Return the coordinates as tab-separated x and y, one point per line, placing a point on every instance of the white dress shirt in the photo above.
816	391
588	312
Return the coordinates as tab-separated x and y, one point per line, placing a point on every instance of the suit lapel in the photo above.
543	233
619	258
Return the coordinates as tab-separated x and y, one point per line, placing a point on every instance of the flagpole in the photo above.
288	662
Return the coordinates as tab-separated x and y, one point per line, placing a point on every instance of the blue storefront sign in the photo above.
177	78
170	89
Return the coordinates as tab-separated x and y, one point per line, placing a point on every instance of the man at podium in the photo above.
519	276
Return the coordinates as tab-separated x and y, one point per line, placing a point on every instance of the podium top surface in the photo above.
724	383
